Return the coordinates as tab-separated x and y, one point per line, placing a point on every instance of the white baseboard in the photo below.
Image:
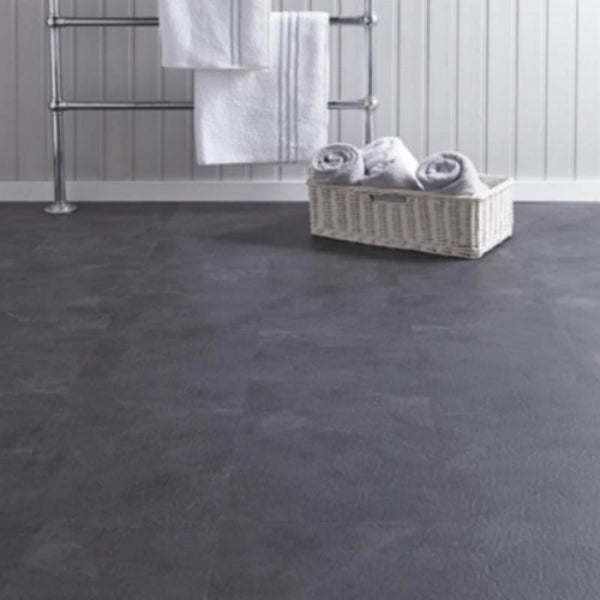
558	191
253	191
157	191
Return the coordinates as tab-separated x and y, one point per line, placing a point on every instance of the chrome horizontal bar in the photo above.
65	105
361	21
103	22
368	104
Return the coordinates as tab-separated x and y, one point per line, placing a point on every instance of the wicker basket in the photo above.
460	226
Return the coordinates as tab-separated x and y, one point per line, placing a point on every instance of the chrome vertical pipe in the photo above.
60	206
371	100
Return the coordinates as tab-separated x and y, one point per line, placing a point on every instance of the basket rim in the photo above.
503	184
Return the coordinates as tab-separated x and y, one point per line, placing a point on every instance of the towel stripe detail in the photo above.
280	86
232	30
239	32
235	33
293	87
288	40
297	93
288	103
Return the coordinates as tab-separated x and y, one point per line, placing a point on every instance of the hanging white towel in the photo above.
275	116
215	34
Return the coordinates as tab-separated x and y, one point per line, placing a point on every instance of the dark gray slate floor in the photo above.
201	402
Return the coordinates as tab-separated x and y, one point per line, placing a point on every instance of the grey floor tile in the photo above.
161	548
41	366
286	469
493	557
201	401
208	364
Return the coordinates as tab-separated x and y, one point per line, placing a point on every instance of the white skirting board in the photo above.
255	191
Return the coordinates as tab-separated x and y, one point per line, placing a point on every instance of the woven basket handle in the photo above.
389	197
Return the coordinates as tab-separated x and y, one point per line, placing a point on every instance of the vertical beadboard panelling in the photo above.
386	68
413	74
471	79
147	86
587	150
8	93
531	101
501	105
513	83
442	75
177	128
561	87
32	148
89	78
119	86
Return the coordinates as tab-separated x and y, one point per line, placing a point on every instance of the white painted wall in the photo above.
513	83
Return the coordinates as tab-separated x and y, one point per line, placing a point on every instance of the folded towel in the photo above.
390	164
276	116
338	164
215	34
451	173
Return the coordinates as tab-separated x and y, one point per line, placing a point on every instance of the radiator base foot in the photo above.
60	208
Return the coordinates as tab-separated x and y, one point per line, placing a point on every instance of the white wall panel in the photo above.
501	87
413	74
471	80
387	117
532	71
513	83
119	65
587	92
8	92
30	82
147	85
562	53
89	84
442	80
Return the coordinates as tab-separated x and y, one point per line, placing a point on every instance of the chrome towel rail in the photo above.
59	105
56	21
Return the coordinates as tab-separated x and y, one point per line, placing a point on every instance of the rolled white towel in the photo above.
390	164
451	173
338	164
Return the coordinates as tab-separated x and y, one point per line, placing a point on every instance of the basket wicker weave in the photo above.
460	226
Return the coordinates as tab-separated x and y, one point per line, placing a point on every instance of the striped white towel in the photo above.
275	116
215	34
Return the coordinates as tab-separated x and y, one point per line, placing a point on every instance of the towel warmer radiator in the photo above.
58	104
